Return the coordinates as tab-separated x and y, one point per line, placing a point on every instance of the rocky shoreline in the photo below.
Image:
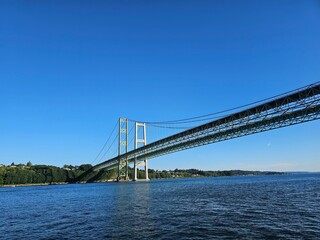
31	184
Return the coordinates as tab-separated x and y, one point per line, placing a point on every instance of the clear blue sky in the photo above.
69	69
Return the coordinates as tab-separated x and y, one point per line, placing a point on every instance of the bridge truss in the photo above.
290	109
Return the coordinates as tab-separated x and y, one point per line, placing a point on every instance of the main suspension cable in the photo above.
200	118
105	144
114	140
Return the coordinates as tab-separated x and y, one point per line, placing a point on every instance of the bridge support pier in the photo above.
140	139
137	164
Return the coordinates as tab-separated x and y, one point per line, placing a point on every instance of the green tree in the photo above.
2	174
85	167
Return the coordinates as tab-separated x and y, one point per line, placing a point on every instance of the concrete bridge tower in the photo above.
138	141
123	148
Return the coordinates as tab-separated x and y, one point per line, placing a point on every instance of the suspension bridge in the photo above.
294	107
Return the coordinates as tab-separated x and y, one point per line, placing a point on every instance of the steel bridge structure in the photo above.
295	107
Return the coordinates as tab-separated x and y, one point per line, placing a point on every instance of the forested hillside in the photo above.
23	174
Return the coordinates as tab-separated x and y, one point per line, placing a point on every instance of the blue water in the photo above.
255	207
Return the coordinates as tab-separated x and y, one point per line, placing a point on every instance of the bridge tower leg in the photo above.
123	148
143	140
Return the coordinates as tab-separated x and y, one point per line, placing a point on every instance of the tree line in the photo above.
37	174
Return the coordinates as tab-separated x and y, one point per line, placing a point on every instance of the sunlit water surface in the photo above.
255	207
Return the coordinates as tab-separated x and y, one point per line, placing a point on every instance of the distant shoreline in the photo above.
33	184
114	180
22	175
49	184
16	175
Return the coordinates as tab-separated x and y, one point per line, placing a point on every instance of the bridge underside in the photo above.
297	107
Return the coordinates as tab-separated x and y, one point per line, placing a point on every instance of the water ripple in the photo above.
273	207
